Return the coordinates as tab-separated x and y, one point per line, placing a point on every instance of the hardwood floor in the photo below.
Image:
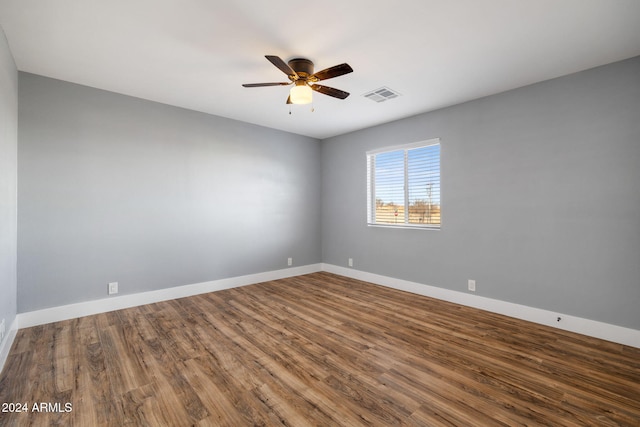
318	350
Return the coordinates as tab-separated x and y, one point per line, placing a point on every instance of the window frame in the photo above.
371	199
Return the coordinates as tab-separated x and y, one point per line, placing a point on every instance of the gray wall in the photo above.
540	197
114	188
8	182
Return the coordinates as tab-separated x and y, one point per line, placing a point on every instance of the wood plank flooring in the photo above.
319	350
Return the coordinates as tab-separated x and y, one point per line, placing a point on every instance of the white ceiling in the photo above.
196	53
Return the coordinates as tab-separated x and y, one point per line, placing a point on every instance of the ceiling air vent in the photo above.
381	95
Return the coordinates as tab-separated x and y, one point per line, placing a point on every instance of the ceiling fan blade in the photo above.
335	71
265	84
275	60
326	90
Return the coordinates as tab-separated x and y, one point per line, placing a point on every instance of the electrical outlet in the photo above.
113	288
472	285
350	262
289	262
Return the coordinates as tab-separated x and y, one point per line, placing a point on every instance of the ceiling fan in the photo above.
301	75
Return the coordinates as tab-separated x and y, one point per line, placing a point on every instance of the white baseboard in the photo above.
605	331
71	311
579	325
5	345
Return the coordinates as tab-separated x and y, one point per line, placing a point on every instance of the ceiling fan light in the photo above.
301	94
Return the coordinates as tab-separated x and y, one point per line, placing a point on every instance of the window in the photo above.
403	185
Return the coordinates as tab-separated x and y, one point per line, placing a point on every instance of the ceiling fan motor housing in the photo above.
303	67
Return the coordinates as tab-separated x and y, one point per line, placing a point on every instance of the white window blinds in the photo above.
404	185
